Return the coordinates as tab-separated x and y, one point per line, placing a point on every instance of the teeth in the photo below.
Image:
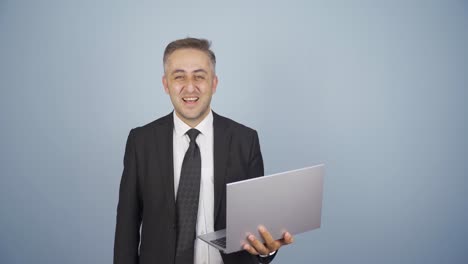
190	99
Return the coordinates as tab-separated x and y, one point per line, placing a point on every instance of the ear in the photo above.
164	82
215	84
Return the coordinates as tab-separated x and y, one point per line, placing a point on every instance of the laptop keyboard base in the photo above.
220	242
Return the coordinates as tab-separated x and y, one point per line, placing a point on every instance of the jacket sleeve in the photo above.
256	169
127	231
256	159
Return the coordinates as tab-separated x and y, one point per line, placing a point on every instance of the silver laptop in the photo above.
289	201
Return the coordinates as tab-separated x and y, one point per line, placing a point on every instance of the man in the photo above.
173	185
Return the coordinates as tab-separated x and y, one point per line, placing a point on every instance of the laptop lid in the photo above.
289	201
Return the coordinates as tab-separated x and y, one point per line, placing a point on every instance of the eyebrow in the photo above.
177	71
182	71
200	70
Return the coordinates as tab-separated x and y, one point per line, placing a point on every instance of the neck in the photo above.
193	122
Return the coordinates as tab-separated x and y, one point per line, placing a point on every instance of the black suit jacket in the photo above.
146	195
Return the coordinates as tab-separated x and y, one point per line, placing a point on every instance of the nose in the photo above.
190	86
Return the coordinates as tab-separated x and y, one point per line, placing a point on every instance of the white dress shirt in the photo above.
204	254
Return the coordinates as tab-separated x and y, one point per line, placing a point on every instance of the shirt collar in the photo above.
205	126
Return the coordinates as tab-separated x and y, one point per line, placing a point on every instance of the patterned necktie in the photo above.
187	201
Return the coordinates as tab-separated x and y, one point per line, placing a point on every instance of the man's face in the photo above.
190	81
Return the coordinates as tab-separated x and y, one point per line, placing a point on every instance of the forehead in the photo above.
188	59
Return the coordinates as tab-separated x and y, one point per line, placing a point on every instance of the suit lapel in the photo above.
165	156
222	139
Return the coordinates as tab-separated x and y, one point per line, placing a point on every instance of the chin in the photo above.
190	116
194	115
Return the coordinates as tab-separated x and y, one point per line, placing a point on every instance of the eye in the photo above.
199	77
178	77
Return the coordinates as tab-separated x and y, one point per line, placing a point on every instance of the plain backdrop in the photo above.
374	89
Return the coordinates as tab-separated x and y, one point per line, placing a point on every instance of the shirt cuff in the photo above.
265	259
271	253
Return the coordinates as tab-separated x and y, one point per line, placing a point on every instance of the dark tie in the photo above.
187	201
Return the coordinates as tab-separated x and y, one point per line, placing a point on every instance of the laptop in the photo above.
289	201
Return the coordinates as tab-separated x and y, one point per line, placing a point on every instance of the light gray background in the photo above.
374	90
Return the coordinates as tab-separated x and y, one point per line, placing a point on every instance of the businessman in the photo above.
173	184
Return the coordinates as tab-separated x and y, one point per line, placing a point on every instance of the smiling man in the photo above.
190	81
173	184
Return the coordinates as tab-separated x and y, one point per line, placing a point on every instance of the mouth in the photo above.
190	99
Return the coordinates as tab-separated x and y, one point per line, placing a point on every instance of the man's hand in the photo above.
256	247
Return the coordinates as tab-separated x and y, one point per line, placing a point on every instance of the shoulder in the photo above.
229	124
238	133
158	126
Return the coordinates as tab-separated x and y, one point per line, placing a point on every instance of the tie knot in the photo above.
193	134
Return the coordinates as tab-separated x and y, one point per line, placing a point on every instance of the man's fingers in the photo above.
259	247
250	249
287	239
270	242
